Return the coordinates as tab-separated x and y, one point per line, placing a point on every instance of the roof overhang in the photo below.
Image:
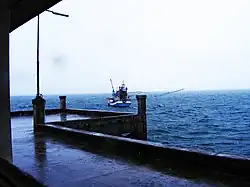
21	11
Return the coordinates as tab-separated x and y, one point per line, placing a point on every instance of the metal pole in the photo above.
57	13
37	63
38	43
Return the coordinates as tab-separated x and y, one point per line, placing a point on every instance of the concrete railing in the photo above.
95	113
155	152
30	112
132	125
81	112
109	122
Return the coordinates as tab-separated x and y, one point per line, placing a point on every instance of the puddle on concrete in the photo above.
64	117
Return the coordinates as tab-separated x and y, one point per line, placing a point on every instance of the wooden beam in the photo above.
26	10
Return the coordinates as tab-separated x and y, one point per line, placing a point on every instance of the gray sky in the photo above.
153	45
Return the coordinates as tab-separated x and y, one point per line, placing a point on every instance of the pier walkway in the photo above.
57	164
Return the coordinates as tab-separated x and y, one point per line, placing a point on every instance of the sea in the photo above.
213	121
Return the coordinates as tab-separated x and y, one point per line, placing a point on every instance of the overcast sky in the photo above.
153	45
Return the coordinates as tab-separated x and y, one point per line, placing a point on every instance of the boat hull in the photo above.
120	103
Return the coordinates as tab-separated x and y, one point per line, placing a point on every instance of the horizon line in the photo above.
163	91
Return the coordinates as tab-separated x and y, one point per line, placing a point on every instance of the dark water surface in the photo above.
211	121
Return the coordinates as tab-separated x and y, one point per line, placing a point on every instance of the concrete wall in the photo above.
101	113
156	153
90	113
30	112
113	125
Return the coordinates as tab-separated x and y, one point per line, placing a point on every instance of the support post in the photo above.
142	109
38	110
62	102
5	122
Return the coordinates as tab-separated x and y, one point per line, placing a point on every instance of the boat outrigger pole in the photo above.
113	90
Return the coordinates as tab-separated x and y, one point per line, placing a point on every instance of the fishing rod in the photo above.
179	90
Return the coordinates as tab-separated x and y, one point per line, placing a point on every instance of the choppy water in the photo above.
211	121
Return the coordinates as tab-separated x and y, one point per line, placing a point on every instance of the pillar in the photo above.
38	110
62	102
142	109
63	117
141	101
5	123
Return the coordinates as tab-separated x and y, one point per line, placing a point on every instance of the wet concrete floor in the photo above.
57	165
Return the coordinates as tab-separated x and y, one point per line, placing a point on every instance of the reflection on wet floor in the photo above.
64	117
57	164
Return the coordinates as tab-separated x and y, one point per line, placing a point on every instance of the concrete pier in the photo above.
63	105
64	161
142	112
38	110
5	126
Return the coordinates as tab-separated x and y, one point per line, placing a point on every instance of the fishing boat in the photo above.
120	97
